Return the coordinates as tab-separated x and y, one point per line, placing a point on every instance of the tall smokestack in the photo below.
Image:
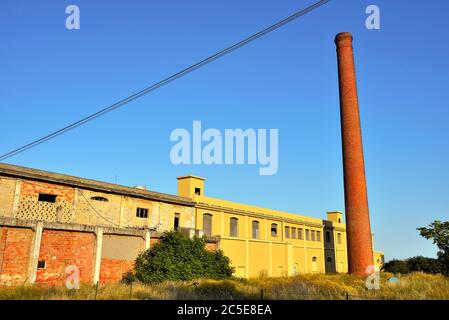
360	250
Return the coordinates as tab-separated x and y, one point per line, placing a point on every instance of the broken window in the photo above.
99	199
176	221
142	213
45	197
274	230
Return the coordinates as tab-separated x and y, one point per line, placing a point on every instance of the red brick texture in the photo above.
33	189
112	270
360	252
15	247
61	249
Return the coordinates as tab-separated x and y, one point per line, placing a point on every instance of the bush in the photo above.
396	266
415	264
178	258
128	277
423	264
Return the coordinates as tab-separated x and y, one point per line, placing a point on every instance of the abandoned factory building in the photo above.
50	221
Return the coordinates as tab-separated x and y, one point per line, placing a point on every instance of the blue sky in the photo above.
287	80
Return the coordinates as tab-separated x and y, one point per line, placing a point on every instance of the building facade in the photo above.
52	224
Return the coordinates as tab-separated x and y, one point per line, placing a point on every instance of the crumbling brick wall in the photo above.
60	249
15	247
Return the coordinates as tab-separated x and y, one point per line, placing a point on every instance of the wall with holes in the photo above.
20	199
30	208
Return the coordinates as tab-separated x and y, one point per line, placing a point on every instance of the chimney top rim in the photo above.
343	35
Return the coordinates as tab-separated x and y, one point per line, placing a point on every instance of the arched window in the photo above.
255	229
233	227
207	224
99	199
274	230
314	264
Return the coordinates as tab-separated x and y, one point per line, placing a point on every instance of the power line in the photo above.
163	82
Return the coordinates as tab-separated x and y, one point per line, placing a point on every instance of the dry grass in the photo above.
315	287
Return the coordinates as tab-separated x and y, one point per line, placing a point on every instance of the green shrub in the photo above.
128	277
396	266
178	258
415	264
423	264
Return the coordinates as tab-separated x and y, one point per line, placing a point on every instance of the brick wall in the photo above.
60	249
15	247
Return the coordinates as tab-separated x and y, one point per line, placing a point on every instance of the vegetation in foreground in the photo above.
178	258
413	286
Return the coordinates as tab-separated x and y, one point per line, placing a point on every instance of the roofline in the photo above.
191	176
72	181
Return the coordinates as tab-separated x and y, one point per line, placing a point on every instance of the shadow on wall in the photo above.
329	248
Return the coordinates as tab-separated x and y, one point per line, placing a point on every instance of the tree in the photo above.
177	258
439	232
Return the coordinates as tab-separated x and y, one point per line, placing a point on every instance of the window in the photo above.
274	230
328	237
313	235
142	213
293	233
41	264
255	229
307	234
287	232
44	197
339	220
339	238
207	224
300	237
318	236
176	221
198	191
99	199
233	227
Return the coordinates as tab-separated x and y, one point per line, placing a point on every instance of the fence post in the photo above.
96	290
347	296
130	291
261	294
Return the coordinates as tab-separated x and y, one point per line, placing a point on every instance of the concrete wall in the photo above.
118	256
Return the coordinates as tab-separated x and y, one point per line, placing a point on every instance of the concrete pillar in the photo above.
35	250
148	239
16	198
98	250
360	252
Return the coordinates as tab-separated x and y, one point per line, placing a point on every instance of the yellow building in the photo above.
262	241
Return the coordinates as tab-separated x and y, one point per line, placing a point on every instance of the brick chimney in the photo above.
358	230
